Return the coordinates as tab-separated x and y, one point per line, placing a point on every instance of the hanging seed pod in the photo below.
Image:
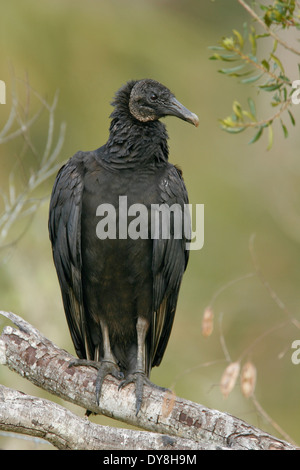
248	379
207	322
229	378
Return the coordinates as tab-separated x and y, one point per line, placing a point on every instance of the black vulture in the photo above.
120	292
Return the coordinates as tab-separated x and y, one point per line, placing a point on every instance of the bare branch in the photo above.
266	284
44	419
20	203
27	352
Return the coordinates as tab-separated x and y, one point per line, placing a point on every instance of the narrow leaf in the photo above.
239	38
252	106
257	136
216	48
227	122
275	103
284	94
277	62
265	64
232	69
271	87
252	79
275	46
234	130
264	35
285	131
292	118
225	57
237	109
249	115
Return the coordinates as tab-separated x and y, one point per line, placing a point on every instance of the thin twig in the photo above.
21	204
261	337
229	284
260	67
264	122
268	418
266	28
266	284
222	340
192	369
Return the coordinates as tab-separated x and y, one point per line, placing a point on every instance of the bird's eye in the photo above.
153	97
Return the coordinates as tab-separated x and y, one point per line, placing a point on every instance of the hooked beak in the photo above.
177	109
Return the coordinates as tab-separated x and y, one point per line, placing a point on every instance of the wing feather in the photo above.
169	262
65	236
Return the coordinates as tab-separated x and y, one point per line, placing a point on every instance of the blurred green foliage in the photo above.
86	51
256	62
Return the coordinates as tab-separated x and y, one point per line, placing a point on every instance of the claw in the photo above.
104	368
140	380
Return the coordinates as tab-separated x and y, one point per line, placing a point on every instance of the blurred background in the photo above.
86	51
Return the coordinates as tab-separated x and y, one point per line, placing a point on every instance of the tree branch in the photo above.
44	419
266	28
27	352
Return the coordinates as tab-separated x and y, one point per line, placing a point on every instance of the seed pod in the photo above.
248	379
229	378
207	322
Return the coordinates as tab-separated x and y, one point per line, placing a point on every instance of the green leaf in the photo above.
252	40
266	64
275	103
252	106
252	79
284	94
264	35
271	87
237	109
249	115
216	48
275	46
227	122
277	62
292	118
234	130
285	79
285	131
232	69
239	38
224	57
257	136
277	98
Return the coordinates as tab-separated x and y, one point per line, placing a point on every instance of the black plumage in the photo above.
120	294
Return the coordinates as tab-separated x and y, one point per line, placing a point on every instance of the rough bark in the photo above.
21	413
26	351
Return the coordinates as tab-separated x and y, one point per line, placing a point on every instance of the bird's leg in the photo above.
139	374
107	365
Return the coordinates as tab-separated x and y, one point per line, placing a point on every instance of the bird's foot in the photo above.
104	368
140	379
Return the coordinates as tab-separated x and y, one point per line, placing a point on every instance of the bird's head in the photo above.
149	100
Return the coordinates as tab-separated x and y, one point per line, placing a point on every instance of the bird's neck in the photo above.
133	143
